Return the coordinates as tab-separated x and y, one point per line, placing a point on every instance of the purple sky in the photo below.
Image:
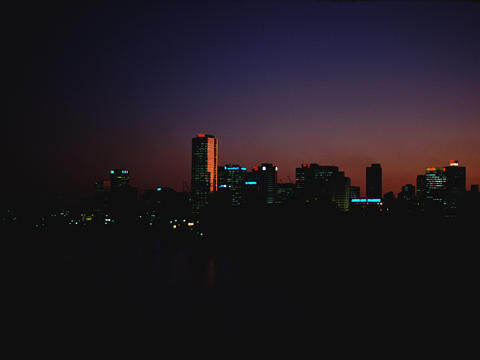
94	87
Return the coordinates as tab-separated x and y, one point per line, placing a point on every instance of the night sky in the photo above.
103	85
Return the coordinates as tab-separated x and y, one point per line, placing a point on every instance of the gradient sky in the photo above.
127	84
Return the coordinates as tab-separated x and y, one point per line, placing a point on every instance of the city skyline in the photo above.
334	83
209	155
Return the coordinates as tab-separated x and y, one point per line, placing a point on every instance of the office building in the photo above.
231	180
204	170
374	181
264	179
455	184
323	184
421	189
435	185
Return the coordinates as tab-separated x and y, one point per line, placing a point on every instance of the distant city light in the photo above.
366	200
112	172
264	168
159	189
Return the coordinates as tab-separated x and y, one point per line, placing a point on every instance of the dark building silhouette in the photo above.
114	197
162	203
421	189
251	193
407	193
264	179
354	192
102	191
285	193
374	182
324	184
102	199
455	184
204	170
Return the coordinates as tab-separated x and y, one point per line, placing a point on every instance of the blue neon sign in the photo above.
366	200
250	183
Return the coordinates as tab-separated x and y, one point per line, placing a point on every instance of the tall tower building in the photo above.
267	181
264	179
421	188
456	183
435	184
374	182
204	170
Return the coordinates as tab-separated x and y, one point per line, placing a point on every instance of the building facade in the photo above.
455	184
374	182
231	180
324	184
204	170
264	179
435	185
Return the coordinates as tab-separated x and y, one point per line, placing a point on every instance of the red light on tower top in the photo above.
200	135
453	162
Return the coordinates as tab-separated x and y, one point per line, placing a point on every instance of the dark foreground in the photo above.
271	279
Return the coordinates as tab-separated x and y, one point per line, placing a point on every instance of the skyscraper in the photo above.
374	182
421	189
267	180
435	185
456	184
204	170
231	179
264	179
